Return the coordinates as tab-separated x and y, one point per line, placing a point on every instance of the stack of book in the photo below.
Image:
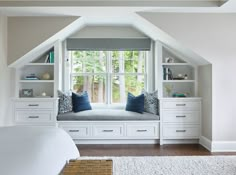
31	77
167	74
49	57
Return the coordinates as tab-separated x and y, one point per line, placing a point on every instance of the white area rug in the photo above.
173	165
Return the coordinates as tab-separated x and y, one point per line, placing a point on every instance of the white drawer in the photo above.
34	116
183	105
143	131
77	132
180	132
181	117
34	105
108	130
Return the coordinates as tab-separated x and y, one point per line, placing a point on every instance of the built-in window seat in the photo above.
110	126
106	114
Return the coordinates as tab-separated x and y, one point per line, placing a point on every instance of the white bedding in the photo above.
34	150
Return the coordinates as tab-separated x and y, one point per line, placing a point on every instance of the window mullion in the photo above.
70	70
108	84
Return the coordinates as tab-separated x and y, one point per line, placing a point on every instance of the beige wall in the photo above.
108	32
213	37
205	91
6	88
25	33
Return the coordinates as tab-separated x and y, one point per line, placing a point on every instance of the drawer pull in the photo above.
108	130
180	116
180	104
33	105
141	130
181	130
74	130
33	117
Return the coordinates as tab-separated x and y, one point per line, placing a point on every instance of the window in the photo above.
108	76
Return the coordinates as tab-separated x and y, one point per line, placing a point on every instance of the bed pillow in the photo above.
135	103
80	102
65	102
151	104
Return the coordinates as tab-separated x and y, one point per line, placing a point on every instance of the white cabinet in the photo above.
35	101
178	131
180	118
35	111
98	131
78	131
108	131
149	130
33	104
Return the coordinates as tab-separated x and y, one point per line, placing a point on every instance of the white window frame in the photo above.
148	75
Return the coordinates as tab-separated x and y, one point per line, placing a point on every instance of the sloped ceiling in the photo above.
25	33
205	34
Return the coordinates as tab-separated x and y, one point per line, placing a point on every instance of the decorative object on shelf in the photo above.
179	94
46	76
169	60
179	77
49	58
44	94
31	77
169	88
27	93
185	76
167	74
46	59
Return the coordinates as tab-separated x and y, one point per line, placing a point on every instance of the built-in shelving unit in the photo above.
176	75
38	76
180	106
36	88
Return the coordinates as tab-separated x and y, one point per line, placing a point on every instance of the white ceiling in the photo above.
98	8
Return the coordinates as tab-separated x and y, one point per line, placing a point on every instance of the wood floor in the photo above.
145	150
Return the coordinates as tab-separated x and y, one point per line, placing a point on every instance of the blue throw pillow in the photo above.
135	104
80	102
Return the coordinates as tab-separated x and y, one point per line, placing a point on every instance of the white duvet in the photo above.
34	150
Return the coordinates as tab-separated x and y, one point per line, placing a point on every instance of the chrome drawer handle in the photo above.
33	117
180	116
141	130
180	130
33	105
74	130
108	130
180	104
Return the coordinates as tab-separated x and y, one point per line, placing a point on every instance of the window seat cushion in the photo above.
106	114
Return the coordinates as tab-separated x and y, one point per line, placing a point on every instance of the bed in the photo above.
34	150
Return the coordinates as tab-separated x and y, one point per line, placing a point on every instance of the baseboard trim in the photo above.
223	146
180	141
133	141
205	142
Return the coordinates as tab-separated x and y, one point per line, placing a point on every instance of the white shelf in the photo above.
178	81
36	81
175	64
39	64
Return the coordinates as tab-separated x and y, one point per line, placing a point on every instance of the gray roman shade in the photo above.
108	44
